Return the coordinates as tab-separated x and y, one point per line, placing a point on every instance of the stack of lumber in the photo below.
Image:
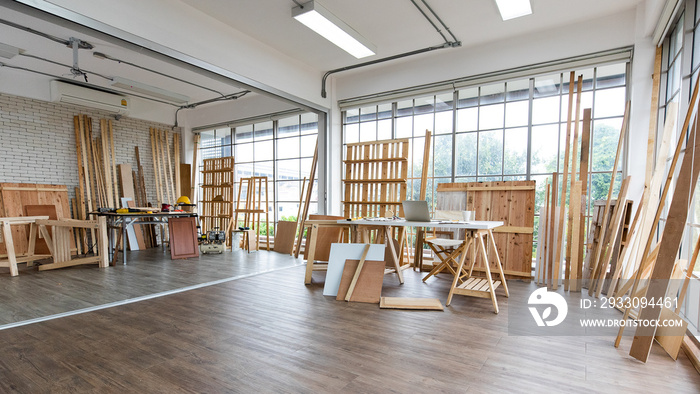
560	256
167	175
217	195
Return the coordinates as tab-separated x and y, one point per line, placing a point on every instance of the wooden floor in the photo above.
270	333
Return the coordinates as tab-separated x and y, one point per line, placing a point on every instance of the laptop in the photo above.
416	211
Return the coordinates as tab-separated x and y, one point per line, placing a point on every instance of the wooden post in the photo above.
418	255
604	226
550	232
562	207
570	216
583	177
305	213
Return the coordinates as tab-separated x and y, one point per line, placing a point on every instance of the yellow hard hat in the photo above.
183	200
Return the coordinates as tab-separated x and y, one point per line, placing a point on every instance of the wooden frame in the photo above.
59	242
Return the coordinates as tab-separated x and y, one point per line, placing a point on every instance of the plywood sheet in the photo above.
15	196
341	252
183	237
284	236
432	304
41	210
326	236
369	284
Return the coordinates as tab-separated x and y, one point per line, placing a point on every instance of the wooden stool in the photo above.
12	258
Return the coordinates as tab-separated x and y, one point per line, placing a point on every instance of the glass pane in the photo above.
207	139
244	153
547	85
288	211
443	122
288	147
368	131
223	136
263	150
443	101
210	153
308	145
417	157
404	107
515	158
288	127
263	131
600	184
422	123
518	90
442	157
466	154
544	149
491	117
384	129
243	171
424	104
226	150
490	152
517	113
288	191
244	134
384	111
352	133
609	102
468	97
467	119
288	169
612	75
368	113
352	115
540	191
545	110
494	93
309	123
404	127
587	78
604	145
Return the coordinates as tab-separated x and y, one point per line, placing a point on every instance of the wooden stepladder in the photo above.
251	208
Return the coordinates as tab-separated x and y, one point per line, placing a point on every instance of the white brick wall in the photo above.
37	142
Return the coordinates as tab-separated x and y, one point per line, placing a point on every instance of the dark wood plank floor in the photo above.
34	294
270	333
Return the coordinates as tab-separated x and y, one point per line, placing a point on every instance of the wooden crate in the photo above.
513	203
15	196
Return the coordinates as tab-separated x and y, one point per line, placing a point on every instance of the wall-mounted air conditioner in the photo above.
75	94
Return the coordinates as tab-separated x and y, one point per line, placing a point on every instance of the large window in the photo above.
510	130
281	150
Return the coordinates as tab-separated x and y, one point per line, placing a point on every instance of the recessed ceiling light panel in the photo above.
8	51
511	9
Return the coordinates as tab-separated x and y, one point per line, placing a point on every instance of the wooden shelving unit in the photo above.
217	194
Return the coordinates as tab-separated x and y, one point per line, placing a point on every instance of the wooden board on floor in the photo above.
369	284
284	236
183	237
429	304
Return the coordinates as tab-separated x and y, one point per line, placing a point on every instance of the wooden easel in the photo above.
251	208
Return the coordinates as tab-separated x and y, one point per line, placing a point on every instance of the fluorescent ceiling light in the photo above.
149	90
323	22
511	9
8	51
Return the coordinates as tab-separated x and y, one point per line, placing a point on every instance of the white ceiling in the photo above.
395	26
